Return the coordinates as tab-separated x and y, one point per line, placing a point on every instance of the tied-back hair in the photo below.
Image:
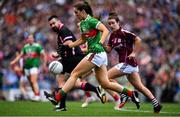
113	15
84	6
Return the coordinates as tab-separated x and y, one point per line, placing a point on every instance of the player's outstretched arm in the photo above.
137	46
16	59
104	31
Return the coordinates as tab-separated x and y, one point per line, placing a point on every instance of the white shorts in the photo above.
31	71
126	68
98	59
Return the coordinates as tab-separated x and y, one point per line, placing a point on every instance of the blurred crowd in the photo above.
156	22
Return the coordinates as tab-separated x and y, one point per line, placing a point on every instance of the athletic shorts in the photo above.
126	68
98	59
33	70
70	63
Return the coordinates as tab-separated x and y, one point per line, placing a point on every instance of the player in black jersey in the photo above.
70	57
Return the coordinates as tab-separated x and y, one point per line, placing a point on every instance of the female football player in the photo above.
127	44
94	33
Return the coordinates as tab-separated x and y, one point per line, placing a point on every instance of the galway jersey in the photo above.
88	29
31	54
123	42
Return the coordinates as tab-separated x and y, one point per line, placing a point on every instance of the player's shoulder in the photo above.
64	29
26	45
36	44
127	32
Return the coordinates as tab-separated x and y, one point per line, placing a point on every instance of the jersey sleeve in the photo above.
40	48
94	23
130	35
110	42
66	35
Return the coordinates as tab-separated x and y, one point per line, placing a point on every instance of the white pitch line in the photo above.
145	111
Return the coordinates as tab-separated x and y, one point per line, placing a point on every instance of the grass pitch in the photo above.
27	108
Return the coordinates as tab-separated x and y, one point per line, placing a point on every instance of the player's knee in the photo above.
104	85
141	88
75	75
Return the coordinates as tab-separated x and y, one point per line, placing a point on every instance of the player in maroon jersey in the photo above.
127	44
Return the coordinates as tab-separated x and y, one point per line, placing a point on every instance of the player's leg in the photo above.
62	105
88	99
114	73
135	80
33	78
89	87
102	77
79	70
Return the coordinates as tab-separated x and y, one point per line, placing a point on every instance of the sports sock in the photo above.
127	92
37	94
59	95
63	101
116	97
88	87
155	102
88	94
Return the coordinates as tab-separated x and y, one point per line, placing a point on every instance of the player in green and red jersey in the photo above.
94	33
31	53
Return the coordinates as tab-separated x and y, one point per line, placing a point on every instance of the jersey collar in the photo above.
88	16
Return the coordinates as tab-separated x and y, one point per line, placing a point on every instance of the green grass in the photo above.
27	108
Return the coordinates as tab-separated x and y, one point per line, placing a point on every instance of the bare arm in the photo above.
104	31
16	59
76	43
137	46
107	48
43	55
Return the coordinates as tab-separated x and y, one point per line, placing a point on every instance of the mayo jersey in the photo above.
88	29
31	54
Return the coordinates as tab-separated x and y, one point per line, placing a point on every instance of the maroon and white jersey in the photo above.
123	41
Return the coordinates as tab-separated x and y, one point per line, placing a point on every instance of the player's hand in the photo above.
12	63
55	55
132	55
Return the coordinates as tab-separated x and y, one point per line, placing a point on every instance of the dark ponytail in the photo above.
84	6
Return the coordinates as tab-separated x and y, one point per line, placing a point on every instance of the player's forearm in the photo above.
107	48
104	36
44	59
104	31
76	43
137	45
16	59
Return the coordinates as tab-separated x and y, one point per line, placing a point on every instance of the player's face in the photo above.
78	14
54	24
113	24
30	39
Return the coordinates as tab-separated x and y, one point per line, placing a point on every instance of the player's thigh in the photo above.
114	73
83	67
34	74
102	75
135	80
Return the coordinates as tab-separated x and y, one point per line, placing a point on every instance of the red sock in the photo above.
83	86
127	92
116	97
36	94
58	96
87	93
